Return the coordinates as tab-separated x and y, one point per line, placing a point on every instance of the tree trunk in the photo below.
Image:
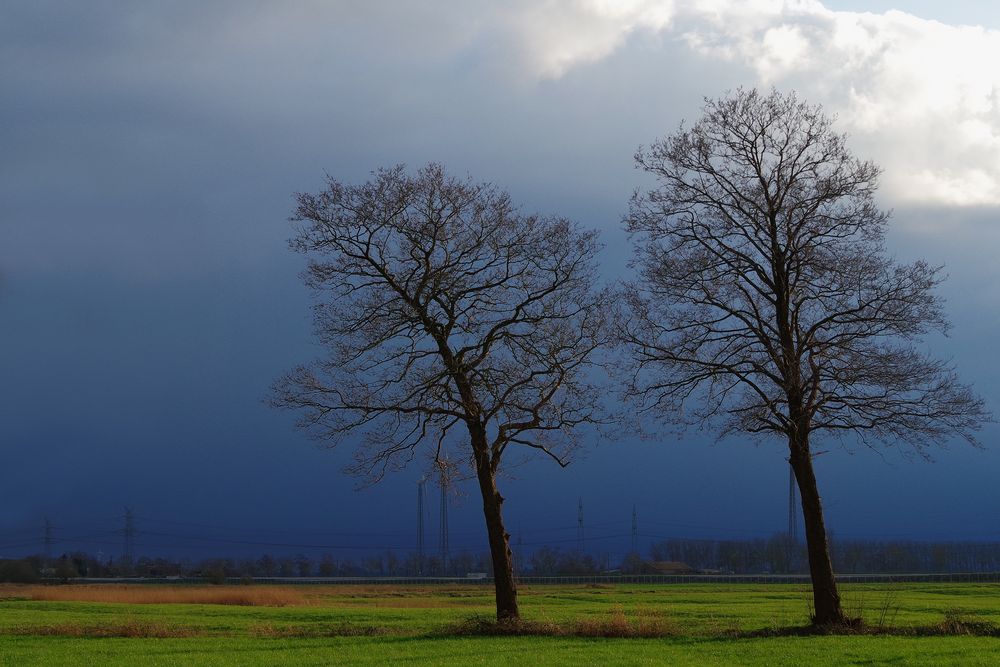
503	561
826	599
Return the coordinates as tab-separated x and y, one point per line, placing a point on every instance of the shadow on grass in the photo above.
616	624
314	631
954	624
613	625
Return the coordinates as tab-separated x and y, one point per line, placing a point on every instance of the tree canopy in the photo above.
764	273
441	305
766	303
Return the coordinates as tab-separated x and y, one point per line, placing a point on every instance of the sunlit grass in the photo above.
681	624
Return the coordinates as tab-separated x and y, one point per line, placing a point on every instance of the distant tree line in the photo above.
778	555
775	555
389	564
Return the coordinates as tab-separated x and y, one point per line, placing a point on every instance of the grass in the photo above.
615	625
250	596
676	624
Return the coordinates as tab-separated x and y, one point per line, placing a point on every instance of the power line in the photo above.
697	526
302	531
290	545
52	538
574	527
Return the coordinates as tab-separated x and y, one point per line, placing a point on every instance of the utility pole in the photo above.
579	526
128	533
47	540
420	526
444	523
635	531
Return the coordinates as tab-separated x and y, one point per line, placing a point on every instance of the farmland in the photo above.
580	624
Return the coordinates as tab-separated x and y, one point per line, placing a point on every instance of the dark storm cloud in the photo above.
148	299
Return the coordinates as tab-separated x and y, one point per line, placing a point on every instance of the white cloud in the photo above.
920	97
558	34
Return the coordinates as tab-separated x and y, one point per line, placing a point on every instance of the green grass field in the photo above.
696	624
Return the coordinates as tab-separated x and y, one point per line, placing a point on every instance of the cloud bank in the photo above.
923	96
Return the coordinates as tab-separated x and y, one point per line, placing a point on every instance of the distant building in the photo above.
667	567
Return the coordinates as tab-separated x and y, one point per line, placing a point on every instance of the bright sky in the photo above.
148	298
955	12
891	76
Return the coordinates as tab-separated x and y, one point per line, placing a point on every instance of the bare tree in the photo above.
767	305
448	316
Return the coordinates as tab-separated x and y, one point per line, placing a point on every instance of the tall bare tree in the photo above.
448	315
767	305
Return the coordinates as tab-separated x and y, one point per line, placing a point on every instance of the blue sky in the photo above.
956	12
148	298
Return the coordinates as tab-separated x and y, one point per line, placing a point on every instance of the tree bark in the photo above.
503	561
826	598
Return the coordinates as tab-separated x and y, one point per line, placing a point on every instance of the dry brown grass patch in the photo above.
251	596
405	597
